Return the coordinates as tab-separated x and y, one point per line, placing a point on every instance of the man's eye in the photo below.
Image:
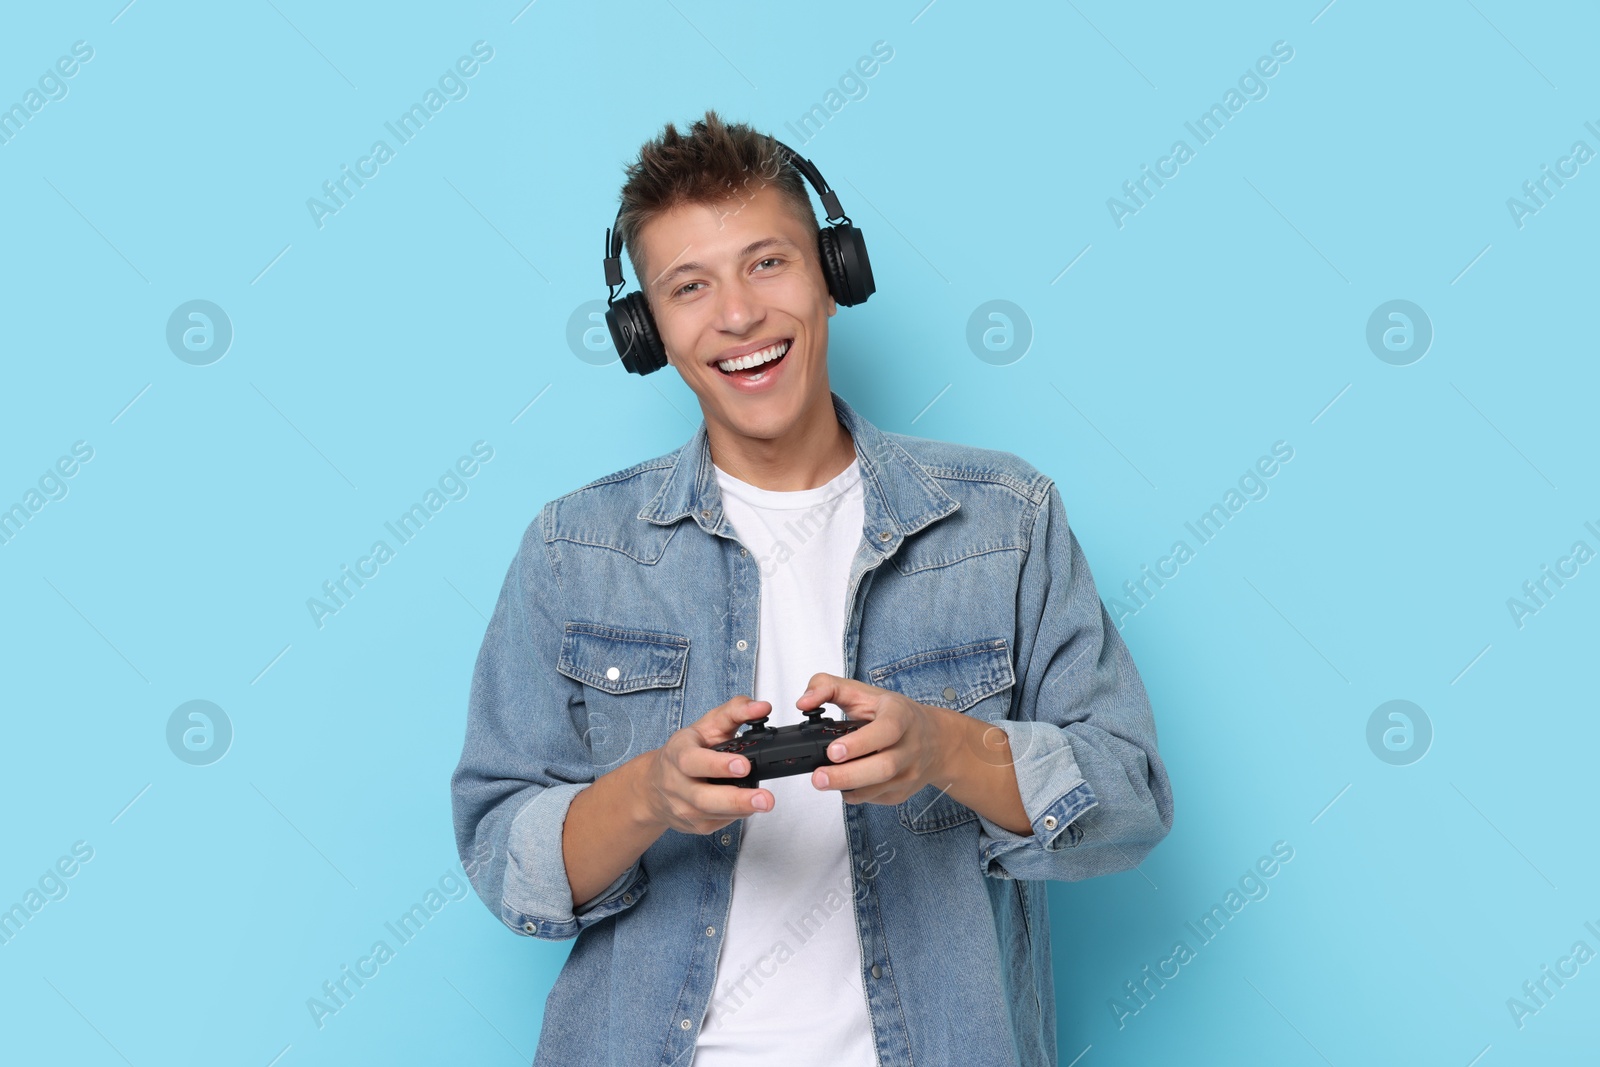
685	287
771	259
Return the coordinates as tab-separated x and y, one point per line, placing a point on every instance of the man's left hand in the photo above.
903	747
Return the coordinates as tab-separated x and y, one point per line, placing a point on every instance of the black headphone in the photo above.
844	265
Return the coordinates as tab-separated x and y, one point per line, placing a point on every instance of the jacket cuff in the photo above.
536	899
1053	793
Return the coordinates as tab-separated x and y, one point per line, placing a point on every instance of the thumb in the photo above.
724	722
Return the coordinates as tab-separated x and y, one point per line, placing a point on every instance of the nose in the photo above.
737	307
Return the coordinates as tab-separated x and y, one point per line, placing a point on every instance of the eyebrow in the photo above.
665	278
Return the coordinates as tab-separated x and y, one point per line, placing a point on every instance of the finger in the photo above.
739	714
868	771
876	736
893	790
728	800
735	711
722	722
847	693
709	763
881	794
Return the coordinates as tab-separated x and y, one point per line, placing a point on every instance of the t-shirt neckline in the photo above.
790	500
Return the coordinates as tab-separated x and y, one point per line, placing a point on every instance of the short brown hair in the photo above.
715	162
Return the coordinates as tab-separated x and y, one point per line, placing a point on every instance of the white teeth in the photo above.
766	355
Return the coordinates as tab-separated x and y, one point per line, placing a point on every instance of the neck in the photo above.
814	451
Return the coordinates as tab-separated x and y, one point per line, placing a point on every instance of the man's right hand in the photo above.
676	791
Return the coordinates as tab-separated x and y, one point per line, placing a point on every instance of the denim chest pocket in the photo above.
974	679
633	687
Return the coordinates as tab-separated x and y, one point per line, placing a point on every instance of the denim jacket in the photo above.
630	610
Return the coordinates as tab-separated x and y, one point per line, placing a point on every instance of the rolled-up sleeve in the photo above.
1081	731
525	758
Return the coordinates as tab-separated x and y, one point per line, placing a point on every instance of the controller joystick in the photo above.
781	751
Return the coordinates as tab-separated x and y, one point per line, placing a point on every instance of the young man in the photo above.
886	909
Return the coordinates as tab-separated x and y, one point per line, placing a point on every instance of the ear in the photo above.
833	306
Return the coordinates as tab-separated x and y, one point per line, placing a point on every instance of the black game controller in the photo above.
779	751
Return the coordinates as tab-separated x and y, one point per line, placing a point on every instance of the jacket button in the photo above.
744	552
613	674
877	972
742	645
627	898
727	839
1049	822
711	931
685	1024
884	536
949	694
703	515
529	927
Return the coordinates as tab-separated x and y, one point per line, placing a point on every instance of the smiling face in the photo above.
742	279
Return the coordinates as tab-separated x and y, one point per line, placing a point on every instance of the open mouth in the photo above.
756	365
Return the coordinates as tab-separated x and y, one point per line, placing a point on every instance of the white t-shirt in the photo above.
788	986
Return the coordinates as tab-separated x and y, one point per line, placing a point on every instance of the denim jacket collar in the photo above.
900	497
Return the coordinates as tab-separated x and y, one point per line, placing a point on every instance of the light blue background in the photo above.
1228	314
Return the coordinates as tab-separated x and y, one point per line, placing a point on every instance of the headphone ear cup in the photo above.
832	267
845	264
633	332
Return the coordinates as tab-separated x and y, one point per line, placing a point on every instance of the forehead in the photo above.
712	234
